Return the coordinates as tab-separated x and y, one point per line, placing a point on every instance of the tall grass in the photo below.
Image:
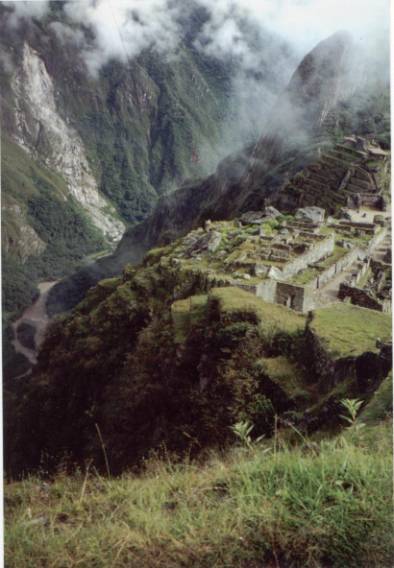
325	504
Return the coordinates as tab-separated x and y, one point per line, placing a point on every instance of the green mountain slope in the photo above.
44	233
170	353
140	125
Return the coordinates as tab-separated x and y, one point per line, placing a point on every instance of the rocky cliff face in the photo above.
93	152
43	133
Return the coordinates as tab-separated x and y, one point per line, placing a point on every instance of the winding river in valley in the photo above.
36	317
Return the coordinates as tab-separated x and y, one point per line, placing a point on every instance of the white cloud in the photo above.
305	22
25	10
124	28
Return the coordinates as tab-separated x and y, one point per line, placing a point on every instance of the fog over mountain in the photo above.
231	31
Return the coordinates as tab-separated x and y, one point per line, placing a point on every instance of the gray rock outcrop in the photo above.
310	214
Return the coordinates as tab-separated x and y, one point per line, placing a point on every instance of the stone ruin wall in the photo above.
266	290
341	265
298	298
376	240
317	251
359	297
295	297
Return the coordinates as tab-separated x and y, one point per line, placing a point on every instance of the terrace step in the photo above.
361	183
350	188
322	177
339	168
341	164
316	183
362	174
314	191
338	198
347	158
358	153
327	173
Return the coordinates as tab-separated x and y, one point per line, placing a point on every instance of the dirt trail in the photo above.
36	316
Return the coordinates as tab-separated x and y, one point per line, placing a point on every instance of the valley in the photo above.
196	285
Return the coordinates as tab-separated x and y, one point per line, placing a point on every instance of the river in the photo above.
37	317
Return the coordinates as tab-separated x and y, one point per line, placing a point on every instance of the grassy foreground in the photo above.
321	504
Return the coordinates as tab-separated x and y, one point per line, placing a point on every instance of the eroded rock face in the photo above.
41	131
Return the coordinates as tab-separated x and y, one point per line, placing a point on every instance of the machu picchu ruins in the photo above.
325	239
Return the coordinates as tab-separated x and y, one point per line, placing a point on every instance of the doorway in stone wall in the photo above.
290	301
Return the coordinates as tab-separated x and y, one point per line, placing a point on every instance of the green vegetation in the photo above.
23	176
68	232
272	317
381	404
349	331
154	373
366	112
322	504
18	288
152	118
286	374
34	196
186	313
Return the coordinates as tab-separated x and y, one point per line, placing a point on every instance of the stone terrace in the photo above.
351	174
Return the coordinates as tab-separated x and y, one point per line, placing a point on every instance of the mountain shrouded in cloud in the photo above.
115	105
250	33
319	87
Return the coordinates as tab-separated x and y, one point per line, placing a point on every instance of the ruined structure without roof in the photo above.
307	259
